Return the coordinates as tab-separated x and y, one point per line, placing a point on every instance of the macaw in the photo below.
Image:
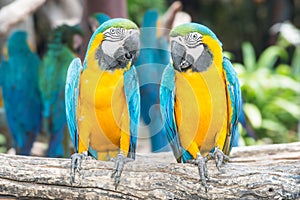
153	58
200	98
21	96
103	99
52	80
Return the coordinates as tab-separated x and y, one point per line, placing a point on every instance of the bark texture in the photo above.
257	172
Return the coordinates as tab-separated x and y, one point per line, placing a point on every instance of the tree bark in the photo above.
257	172
16	12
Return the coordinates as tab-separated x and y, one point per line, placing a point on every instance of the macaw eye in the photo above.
193	39
196	36
115	34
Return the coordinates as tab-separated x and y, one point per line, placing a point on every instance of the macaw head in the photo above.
115	44
71	36
195	47
17	42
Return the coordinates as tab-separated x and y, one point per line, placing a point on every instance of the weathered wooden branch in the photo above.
16	12
258	172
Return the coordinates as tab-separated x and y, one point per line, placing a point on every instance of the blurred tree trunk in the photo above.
113	8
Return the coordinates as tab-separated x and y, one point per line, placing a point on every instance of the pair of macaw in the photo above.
200	97
33	90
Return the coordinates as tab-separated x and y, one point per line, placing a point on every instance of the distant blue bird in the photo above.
20	92
154	56
52	79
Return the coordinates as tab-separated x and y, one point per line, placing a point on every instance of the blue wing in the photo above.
167	96
71	98
234	90
132	93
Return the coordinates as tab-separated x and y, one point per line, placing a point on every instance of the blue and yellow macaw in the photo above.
153	58
52	80
200	98
102	97
22	101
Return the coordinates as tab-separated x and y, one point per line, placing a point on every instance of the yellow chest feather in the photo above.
200	108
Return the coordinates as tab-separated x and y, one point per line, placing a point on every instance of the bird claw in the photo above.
219	157
76	160
120	160
202	169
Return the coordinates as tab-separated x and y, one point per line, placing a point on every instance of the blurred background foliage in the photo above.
271	92
262	39
137	8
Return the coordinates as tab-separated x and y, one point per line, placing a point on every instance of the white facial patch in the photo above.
114	38
195	51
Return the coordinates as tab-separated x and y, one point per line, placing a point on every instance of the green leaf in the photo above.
269	56
249	57
2	139
288	106
273	126
285	82
239	68
284	69
254	115
229	55
296	63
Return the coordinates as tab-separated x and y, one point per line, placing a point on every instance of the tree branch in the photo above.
257	172
16	12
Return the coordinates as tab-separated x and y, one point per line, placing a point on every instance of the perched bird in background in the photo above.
200	98
154	57
103	99
22	101
52	79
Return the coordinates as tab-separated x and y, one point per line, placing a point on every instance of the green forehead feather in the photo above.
187	28
117	23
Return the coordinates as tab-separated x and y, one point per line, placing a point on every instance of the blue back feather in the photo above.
132	93
20	92
71	99
167	96
236	100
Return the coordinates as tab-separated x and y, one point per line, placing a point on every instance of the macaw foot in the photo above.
76	160
202	168
219	157
120	161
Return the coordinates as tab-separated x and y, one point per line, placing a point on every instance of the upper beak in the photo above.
132	45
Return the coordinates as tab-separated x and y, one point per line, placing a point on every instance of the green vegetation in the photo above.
137	8
2	144
271	92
